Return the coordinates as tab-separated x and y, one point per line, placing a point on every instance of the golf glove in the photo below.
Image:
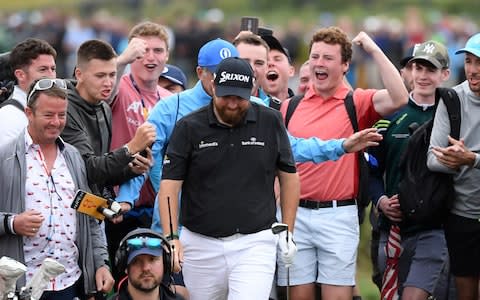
287	247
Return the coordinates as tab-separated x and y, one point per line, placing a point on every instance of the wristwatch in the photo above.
127	150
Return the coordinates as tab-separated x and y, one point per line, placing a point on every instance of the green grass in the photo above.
368	290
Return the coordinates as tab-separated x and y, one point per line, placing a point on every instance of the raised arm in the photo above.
135	49
395	94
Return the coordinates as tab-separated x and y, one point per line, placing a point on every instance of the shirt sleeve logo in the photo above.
166	160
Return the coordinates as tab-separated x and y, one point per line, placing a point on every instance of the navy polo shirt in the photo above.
228	173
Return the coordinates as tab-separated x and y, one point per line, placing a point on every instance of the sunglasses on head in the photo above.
46	84
144	242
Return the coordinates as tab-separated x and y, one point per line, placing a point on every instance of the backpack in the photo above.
425	196
7	82
11	101
363	198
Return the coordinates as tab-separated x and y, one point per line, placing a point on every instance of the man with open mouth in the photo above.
279	70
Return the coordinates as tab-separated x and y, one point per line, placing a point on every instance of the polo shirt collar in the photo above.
340	93
29	142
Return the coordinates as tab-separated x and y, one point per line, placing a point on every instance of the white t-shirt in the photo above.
12	120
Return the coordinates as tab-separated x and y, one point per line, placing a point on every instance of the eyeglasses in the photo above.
144	242
46	84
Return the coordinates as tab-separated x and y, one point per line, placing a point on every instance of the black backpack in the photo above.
363	199
425	196
7	82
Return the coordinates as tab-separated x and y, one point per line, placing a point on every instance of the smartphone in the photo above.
144	151
250	24
263	31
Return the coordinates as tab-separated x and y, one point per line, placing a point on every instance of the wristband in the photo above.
6	224
172	236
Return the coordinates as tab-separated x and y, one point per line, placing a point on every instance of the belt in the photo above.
312	204
231	237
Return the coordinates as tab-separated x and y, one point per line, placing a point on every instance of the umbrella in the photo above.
393	250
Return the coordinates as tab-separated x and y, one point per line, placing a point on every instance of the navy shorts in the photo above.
463	241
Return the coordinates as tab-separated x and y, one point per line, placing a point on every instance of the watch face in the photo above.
127	151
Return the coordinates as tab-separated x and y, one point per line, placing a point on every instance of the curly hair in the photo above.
334	35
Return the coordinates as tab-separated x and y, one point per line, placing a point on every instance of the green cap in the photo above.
433	52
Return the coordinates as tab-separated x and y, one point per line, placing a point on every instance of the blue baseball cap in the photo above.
472	46
175	75
135	253
213	52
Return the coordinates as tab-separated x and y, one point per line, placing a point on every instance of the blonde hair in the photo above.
148	28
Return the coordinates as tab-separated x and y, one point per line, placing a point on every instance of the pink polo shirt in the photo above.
129	111
328	119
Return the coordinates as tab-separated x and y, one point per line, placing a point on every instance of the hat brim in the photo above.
274	44
473	51
434	62
135	253
210	68
404	61
222	91
172	79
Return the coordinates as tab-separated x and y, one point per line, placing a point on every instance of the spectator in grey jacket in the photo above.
39	176
461	158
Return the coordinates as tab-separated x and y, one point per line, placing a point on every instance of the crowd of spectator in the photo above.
65	31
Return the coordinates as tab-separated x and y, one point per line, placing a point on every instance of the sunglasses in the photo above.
45	84
144	242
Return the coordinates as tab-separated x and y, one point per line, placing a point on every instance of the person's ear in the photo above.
19	74
78	73
445	74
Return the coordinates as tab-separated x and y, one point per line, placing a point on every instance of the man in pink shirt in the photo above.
326	227
138	91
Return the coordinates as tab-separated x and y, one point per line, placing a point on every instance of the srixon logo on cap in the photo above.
225	76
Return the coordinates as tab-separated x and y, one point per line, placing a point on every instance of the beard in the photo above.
231	117
145	286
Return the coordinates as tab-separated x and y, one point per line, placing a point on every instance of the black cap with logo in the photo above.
233	77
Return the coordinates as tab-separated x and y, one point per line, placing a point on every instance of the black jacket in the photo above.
88	128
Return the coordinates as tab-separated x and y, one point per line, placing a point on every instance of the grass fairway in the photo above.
368	290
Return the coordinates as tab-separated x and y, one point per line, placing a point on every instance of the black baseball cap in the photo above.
274	44
233	77
407	56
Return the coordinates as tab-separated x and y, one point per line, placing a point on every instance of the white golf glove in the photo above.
287	247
